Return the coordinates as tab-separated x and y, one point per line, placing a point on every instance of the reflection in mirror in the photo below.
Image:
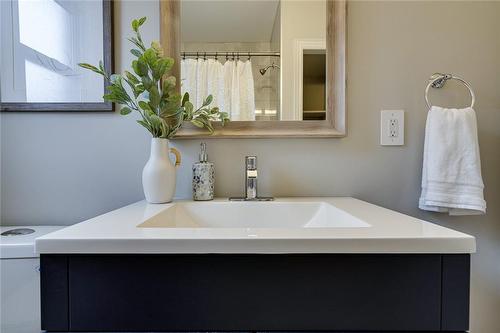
42	42
261	60
314	86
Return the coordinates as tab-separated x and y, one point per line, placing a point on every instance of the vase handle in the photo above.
177	156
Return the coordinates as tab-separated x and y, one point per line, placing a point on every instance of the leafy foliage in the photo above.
153	94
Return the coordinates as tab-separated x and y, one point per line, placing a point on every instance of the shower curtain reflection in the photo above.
231	84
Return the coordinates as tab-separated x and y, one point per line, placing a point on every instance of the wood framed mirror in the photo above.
292	55
42	44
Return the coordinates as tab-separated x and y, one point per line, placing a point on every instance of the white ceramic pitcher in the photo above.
159	173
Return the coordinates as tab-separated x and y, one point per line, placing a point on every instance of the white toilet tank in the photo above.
20	278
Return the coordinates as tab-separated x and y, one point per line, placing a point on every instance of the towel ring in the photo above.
438	80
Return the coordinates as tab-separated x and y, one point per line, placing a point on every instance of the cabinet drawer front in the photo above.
215	292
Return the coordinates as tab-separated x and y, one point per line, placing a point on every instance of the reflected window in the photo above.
42	43
41	19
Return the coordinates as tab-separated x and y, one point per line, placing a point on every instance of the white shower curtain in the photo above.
230	84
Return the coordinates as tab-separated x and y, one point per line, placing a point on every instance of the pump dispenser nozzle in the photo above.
203	152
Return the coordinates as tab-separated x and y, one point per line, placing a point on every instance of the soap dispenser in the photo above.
203	177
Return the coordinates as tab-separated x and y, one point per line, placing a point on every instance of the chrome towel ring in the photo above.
437	80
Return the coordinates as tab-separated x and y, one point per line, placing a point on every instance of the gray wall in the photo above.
64	168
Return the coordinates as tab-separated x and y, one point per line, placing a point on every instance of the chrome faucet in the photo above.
251	176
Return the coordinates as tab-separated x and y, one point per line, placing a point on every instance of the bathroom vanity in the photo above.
302	264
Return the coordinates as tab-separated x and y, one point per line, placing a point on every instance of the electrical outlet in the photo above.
392	129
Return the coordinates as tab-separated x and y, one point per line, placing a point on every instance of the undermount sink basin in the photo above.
277	214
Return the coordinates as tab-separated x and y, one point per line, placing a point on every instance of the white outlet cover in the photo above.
392	135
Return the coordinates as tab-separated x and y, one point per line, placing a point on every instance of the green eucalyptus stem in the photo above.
154	95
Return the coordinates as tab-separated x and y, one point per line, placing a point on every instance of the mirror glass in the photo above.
261	60
42	41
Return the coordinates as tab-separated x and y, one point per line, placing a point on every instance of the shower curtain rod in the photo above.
229	54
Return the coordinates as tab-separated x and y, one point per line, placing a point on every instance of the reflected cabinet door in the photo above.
42	43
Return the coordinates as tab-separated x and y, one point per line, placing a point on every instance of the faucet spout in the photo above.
251	177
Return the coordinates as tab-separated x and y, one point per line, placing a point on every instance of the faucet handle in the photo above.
251	162
251	173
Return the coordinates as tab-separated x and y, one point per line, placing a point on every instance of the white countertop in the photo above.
386	232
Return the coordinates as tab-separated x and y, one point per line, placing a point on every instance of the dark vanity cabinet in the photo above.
255	292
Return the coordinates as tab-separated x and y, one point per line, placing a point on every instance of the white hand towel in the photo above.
451	173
